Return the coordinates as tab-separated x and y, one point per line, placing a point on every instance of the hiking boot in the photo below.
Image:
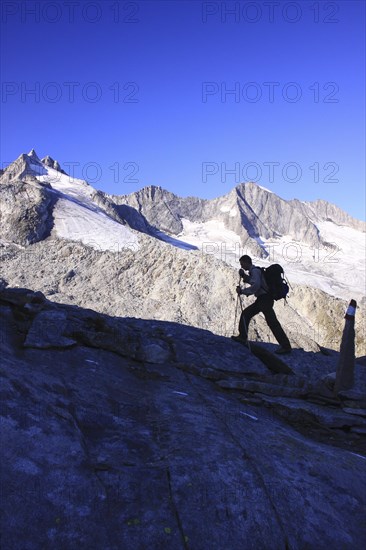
283	351
240	339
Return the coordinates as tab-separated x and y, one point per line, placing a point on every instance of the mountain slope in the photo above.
81	246
117	429
321	210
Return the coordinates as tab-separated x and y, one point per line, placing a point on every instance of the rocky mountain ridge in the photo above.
321	210
249	210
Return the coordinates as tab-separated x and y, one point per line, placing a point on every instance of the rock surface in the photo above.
49	161
321	210
125	436
25	212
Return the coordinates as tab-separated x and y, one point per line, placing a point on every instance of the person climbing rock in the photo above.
264	303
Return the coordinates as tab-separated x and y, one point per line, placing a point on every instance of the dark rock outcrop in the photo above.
116	432
26	211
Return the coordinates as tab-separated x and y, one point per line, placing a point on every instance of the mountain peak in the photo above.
25	167
51	163
252	185
33	156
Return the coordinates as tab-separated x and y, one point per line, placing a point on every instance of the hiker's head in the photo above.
246	262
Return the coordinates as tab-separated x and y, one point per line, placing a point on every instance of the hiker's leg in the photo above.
274	324
245	318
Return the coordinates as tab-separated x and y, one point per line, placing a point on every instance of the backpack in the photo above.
275	279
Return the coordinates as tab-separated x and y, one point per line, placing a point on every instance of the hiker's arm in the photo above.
244	276
255	281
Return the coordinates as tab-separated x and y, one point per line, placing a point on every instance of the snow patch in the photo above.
76	222
265	189
229	209
67	185
232	211
78	218
212	233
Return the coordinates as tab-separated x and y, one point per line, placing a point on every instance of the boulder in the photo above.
26	212
47	330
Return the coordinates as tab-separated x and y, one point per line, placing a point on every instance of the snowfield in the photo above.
79	223
78	218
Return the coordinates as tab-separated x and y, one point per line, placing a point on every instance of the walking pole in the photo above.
236	312
242	309
236	307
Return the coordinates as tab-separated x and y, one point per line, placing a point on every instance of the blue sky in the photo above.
193	96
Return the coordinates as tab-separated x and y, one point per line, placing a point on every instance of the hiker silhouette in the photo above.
264	303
